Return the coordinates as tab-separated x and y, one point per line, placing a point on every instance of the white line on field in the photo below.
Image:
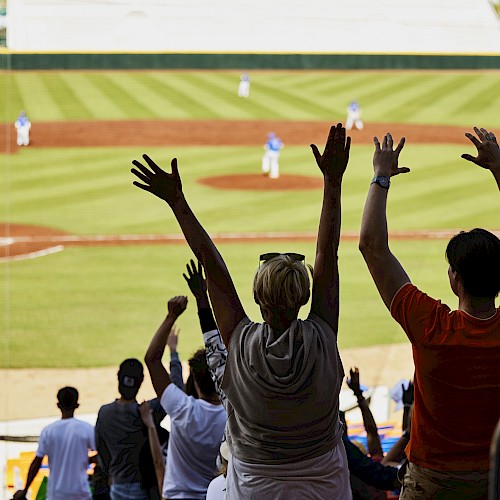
34	255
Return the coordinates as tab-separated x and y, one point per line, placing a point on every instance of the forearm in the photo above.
176	370
372	437
407	411
374	234
32	472
156	453
325	290
156	348
197	238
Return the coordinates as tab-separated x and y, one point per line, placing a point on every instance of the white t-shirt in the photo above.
195	436
217	488
67	443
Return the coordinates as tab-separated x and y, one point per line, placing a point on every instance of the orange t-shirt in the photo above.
457	382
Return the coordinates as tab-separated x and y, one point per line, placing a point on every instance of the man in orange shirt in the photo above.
456	353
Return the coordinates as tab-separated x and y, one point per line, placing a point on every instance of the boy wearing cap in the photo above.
67	443
122	439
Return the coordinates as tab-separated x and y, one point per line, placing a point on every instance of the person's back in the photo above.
122	438
197	427
67	443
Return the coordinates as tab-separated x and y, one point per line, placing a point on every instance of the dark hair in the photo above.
201	373
67	398
130	377
475	256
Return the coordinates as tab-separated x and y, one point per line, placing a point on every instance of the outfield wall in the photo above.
34	61
249	26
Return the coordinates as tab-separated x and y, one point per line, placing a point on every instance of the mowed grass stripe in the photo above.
159	97
194	106
224	87
39	102
217	101
69	101
483	96
100	105
115	87
429	97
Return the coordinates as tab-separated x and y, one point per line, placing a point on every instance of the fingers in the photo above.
316	153
390	142
480	133
490	136
470	158
142	186
154	167
473	139
400	145
175	170
377	143
141	176
403	170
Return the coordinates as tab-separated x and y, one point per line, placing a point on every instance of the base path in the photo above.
214	133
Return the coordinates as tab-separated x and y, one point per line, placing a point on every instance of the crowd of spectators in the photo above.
259	414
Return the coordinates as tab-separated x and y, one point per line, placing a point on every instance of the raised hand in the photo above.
146	414
488	152
385	158
335	157
353	381
173	339
177	305
166	186
195	280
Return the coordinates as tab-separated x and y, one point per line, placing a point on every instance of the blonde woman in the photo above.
283	376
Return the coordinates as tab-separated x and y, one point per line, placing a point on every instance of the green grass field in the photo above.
93	306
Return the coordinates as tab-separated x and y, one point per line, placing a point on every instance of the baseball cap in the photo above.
130	377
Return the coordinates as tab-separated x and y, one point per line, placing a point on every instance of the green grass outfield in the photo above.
93	306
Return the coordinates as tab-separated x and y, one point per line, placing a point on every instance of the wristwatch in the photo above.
382	181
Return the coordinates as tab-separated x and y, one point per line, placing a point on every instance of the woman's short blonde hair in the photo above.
282	283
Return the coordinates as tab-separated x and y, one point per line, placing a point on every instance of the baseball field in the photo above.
88	261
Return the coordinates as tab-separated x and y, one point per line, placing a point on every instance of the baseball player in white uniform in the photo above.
354	116
270	164
244	86
23	126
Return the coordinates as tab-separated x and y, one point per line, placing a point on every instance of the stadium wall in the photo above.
48	61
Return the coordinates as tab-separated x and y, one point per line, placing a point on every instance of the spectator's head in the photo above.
474	258
201	374
130	377
281	284
67	399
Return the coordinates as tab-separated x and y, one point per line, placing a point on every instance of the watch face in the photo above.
383	181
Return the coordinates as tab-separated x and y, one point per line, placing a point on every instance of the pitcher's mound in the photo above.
260	182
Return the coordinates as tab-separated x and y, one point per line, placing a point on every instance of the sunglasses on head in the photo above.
271	255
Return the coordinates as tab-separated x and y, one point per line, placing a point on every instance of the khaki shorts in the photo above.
426	484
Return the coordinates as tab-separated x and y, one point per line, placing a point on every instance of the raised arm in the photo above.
154	442
332	163
372	438
488	152
153	358
216	353
226	303
175	362
387	273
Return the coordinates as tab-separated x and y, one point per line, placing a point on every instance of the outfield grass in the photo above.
94	306
89	191
448	98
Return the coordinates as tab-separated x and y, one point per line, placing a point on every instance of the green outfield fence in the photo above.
37	61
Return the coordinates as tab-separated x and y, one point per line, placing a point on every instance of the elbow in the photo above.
369	246
151	359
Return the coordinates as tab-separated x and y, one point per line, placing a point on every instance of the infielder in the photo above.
354	116
23	126
270	164
244	86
